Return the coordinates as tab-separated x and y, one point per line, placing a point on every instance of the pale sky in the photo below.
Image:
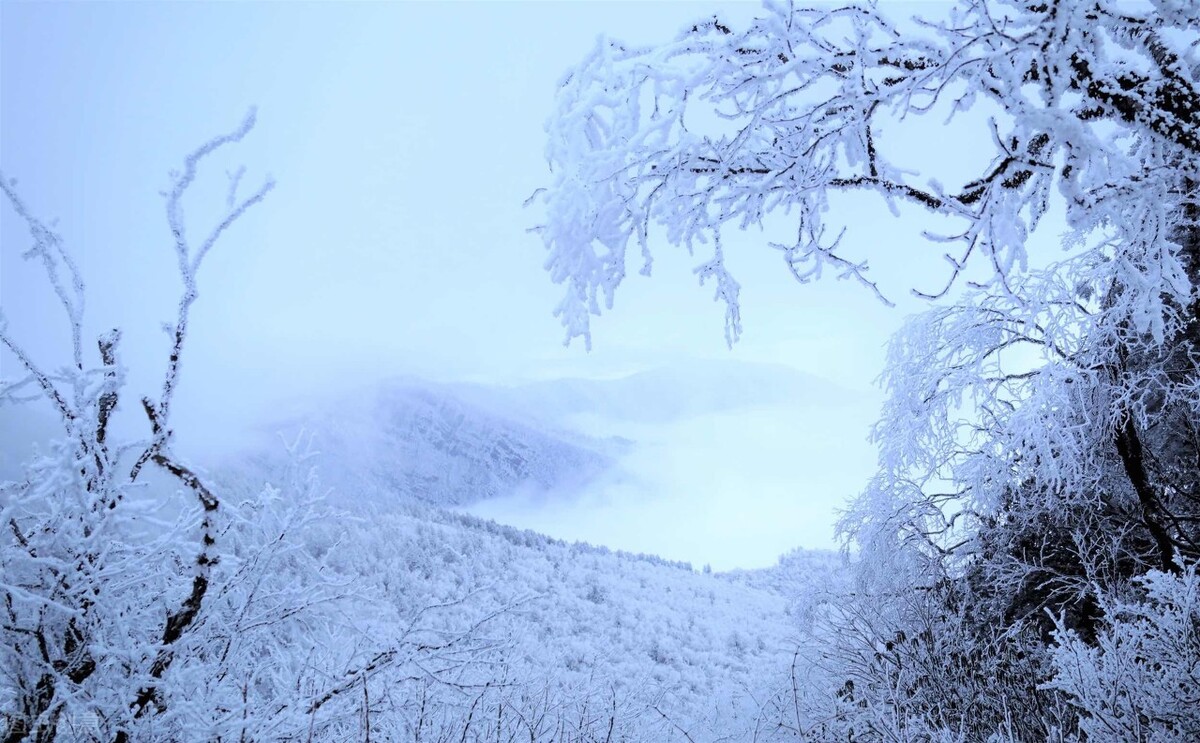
404	138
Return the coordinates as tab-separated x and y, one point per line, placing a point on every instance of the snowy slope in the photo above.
679	653
681	648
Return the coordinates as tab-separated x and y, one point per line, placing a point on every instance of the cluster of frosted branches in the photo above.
721	127
1039	444
81	640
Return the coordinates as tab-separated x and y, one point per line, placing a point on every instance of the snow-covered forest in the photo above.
1023	564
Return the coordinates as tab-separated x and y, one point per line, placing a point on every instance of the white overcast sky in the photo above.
404	138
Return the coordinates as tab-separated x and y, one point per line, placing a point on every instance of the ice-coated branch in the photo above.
721	127
36	375
48	248
59	623
189	261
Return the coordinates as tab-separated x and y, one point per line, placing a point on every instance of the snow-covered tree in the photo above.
1040	446
134	611
84	644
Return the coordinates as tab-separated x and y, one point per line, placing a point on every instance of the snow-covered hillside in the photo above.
584	619
556	627
474	630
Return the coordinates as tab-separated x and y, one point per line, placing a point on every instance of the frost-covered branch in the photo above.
83	632
189	260
722	127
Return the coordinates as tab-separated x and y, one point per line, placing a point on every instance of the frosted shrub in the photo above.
1140	680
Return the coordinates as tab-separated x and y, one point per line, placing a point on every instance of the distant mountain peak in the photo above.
409	439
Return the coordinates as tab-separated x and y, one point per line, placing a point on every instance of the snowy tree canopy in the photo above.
1095	104
723	127
1039	447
